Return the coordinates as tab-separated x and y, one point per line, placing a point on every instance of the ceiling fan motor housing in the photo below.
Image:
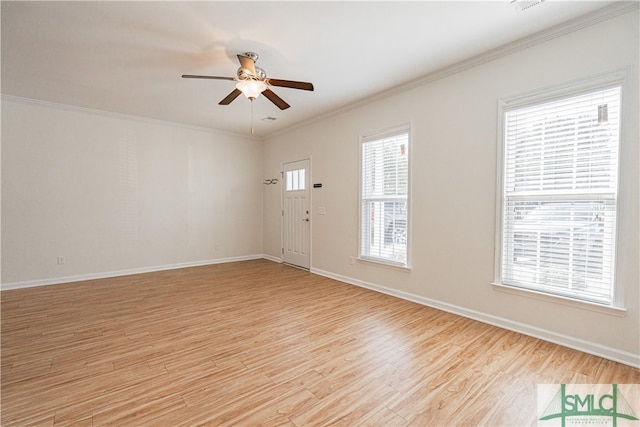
259	75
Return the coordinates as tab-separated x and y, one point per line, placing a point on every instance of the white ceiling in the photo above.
128	57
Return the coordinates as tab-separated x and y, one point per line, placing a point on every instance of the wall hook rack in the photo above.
270	181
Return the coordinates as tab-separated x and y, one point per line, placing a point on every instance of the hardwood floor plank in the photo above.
260	343
137	411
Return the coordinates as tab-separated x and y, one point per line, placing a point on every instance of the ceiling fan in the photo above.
252	81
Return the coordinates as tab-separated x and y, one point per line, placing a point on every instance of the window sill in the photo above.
586	305
384	263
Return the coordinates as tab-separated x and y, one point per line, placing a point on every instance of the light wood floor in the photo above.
256	343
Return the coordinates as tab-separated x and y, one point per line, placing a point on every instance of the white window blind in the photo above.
384	197
559	195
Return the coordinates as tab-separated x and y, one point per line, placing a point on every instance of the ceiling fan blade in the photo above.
290	83
191	76
247	64
271	96
233	95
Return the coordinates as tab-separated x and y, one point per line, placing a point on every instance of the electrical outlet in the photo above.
61	260
218	246
352	260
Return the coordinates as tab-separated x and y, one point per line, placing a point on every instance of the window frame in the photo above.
615	78
404	128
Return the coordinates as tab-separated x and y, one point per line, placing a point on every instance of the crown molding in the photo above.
74	108
604	14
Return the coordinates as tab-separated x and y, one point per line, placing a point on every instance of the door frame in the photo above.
283	189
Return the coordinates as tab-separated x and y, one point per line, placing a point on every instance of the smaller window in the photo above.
384	192
295	180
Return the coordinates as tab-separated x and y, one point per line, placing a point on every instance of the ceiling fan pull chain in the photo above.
251	115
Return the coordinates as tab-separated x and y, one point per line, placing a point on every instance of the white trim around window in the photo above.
384	226
557	204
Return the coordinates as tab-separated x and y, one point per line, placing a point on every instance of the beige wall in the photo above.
113	194
453	173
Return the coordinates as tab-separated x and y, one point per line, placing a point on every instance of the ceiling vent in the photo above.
523	5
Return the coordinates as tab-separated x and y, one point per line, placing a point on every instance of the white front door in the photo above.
296	214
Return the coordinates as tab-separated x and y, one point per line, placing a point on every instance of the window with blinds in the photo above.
384	193
560	176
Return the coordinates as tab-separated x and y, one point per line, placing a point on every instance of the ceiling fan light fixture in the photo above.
251	88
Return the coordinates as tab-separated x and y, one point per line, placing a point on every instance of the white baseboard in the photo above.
272	258
596	349
127	272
